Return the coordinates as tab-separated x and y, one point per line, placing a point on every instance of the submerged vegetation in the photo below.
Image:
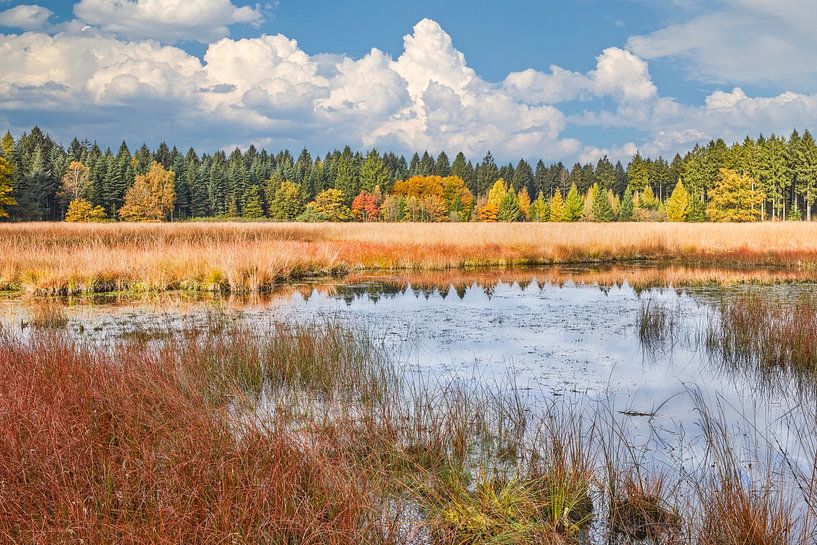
65	259
308	433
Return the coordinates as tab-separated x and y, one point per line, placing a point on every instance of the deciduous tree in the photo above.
6	189
151	197
82	211
677	206
735	197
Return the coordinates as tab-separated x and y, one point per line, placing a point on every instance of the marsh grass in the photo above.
306	433
761	332
65	259
658	326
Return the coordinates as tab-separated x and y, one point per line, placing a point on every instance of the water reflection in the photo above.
556	332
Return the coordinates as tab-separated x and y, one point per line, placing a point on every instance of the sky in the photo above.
561	80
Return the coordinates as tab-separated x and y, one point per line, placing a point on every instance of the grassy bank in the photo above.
307	433
65	259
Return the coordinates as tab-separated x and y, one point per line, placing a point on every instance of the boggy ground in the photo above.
51	258
307	433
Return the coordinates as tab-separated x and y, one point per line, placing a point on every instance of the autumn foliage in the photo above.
366	207
151	197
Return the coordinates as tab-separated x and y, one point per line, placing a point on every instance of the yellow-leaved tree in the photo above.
677	206
557	207
151	197
75	181
81	211
735	197
5	187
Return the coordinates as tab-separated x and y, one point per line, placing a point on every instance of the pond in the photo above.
551	333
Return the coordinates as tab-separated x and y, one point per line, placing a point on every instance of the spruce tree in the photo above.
252	203
627	212
602	209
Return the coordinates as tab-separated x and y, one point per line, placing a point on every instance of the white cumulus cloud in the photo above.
166	20
25	16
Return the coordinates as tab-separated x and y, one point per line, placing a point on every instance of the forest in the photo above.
767	178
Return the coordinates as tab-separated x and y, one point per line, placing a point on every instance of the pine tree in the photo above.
441	165
602	209
252	203
627	212
7	145
806	171
487	173
638	173
524	202
522	176
347	181
373	173
697	210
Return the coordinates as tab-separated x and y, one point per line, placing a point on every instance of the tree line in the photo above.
767	178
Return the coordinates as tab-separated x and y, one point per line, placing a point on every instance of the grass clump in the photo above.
766	333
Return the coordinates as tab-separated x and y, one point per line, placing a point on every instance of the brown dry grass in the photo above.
71	258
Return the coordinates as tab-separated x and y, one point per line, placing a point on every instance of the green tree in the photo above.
574	204
627	212
638	173
677	206
697	209
287	202
252	203
539	209
806	171
509	207
602	209
373	173
735	197
347	180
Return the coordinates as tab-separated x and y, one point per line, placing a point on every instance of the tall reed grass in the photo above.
307	433
75	258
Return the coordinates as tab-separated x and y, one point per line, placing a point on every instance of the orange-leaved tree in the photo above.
151	197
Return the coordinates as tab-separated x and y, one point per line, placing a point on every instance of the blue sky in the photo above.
563	80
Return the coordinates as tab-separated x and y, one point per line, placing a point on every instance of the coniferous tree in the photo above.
509	207
602	209
252	203
557	207
347	180
627	212
574	206
487	173
522	176
677	206
441	165
373	173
